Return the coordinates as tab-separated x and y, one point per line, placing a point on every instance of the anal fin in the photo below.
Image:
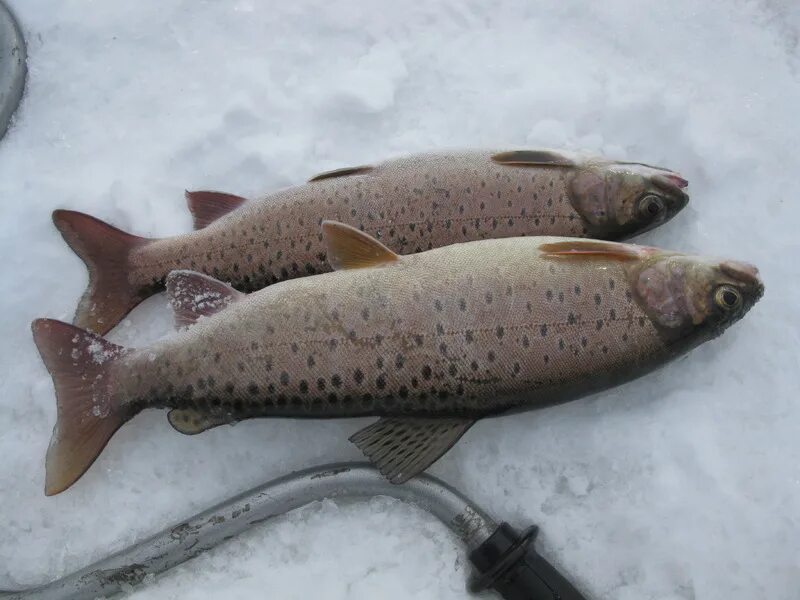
192	422
402	447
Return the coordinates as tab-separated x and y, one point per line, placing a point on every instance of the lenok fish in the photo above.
411	204
428	342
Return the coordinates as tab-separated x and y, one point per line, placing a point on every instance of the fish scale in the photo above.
429	342
411	204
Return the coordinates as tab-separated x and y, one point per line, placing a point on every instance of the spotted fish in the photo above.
412	204
428	342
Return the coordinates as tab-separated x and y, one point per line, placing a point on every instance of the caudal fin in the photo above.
105	250
87	417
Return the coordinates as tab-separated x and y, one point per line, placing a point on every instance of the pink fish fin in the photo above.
193	295
192	422
591	249
350	248
207	207
105	250
79	363
361	170
533	158
402	447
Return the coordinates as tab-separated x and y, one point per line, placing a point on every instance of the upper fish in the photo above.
411	204
428	342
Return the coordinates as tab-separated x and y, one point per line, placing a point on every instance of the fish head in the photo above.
694	298
617	200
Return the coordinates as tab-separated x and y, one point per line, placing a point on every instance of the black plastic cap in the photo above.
508	563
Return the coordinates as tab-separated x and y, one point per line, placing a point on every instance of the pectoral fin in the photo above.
592	249
404	447
533	158
191	422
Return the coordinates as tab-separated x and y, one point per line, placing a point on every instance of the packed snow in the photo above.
681	485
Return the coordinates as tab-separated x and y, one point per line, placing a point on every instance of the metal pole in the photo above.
13	66
206	530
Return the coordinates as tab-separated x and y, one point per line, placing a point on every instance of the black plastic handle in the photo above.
508	563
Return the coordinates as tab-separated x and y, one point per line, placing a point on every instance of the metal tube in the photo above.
224	521
13	66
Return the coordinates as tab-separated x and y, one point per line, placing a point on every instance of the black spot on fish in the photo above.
452	370
500	332
462	304
399	361
379	362
252	388
599	324
561	296
611	284
577	290
380	382
543	329
561	345
546	359
321	384
489	297
284	378
310	361
437	304
490	356
468	337
439	329
303	385
336	381
597	299
426	372
229	387
525	341
516	368
612	314
473	365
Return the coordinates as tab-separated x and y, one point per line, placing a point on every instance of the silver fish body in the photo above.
412	204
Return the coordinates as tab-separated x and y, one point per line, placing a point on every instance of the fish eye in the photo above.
651	206
727	297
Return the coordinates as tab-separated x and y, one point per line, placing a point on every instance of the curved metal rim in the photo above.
13	66
187	539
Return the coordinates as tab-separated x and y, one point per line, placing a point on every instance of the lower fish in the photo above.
428	342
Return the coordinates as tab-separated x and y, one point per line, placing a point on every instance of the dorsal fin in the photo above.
360	170
533	158
194	295
349	248
588	249
207	207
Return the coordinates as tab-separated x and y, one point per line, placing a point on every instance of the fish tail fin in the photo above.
87	417
105	250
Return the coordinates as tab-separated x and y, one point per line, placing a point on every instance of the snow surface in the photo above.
683	485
